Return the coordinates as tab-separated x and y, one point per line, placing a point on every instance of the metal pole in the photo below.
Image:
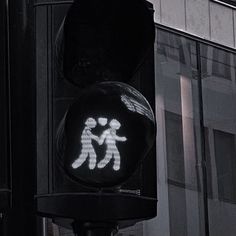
203	148
2	225
94	229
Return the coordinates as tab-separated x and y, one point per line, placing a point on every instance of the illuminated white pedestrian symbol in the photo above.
110	138
87	147
102	121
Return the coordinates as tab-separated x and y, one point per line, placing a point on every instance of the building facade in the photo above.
195	108
207	19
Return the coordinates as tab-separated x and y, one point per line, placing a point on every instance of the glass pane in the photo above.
180	203
219	100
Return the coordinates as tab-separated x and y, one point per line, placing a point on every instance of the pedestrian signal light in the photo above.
95	101
107	132
109	136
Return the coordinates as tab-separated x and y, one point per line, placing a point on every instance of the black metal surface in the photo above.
51	2
203	141
5	183
21	219
103	207
94	229
5	200
105	40
55	95
3	224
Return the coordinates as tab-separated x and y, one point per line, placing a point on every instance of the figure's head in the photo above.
115	124
91	123
102	121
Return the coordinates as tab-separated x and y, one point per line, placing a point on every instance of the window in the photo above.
196	161
177	104
226	165
216	63
175	152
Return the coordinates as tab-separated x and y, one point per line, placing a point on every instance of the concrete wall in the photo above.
203	18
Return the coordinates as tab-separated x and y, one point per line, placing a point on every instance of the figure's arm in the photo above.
102	138
121	139
92	136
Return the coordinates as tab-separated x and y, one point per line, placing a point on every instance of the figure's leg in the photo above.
92	159
105	160
82	157
116	165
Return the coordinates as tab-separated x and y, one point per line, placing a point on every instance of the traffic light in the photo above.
108	120
96	127
5	187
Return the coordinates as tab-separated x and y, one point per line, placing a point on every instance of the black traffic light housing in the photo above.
98	132
95	56
105	40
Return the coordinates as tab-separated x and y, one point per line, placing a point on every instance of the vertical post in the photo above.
21	219
202	132
1	224
94	229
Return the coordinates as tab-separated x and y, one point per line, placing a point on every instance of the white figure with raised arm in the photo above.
110	138
87	147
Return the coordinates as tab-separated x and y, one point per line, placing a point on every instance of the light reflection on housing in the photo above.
135	106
